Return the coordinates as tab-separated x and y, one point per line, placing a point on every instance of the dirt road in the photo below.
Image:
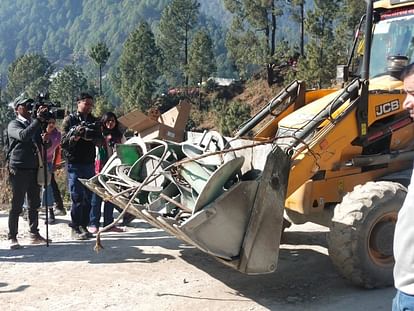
146	269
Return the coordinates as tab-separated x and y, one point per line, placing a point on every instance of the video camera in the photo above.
87	130
42	100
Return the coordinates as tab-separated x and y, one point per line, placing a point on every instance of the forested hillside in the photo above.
63	30
142	49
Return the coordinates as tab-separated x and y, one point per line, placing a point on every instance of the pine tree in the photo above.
177	21
201	60
319	66
68	83
298	14
231	115
138	69
6	115
30	74
349	15
252	37
100	54
101	106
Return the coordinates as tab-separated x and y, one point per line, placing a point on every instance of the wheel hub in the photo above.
381	240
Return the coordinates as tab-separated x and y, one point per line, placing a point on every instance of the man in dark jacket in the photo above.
79	152
24	136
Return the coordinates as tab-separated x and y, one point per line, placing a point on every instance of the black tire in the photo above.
362	231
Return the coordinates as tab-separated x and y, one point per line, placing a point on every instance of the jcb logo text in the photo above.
387	108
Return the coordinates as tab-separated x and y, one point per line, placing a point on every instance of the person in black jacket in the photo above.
79	152
24	136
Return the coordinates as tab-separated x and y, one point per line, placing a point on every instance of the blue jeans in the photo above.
403	302
79	194
48	200
95	214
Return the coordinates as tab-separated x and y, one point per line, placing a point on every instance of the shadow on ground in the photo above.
304	280
116	250
20	288
304	276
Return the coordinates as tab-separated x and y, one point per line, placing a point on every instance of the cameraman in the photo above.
24	140
79	152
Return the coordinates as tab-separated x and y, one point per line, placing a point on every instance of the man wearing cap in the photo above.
79	152
24	136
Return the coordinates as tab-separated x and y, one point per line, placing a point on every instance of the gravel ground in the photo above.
144	268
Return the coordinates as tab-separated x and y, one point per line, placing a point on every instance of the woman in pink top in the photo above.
52	139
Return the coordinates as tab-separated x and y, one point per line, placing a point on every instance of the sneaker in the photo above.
51	217
60	211
51	221
85	231
92	229
115	229
128	218
14	244
36	238
79	235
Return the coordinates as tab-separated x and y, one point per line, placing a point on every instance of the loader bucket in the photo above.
230	206
261	243
219	227
243	226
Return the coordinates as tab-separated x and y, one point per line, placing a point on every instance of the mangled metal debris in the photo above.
202	191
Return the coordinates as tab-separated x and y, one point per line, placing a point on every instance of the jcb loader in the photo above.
339	157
